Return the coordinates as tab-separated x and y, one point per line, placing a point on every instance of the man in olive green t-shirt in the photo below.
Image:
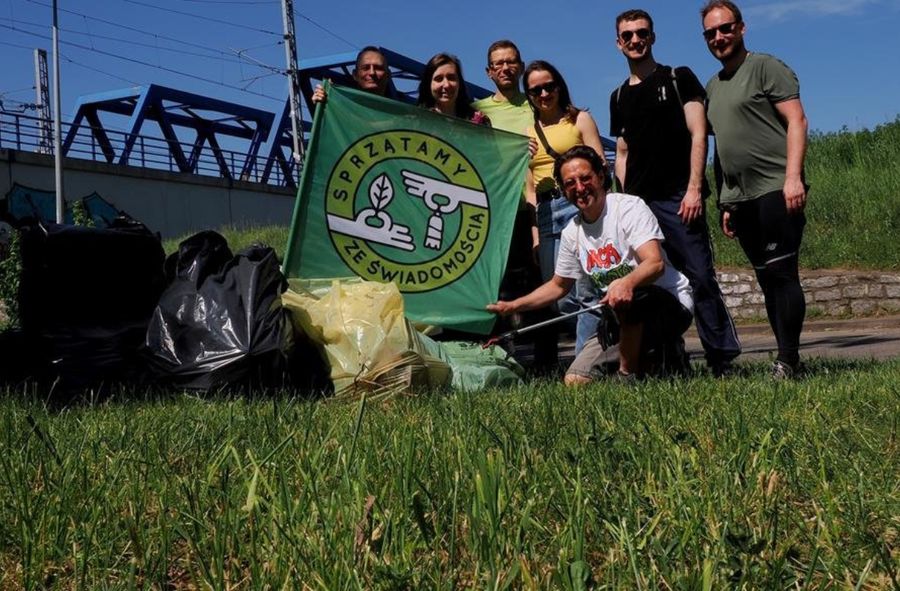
754	111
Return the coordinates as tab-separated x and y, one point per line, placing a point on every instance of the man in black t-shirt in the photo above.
658	117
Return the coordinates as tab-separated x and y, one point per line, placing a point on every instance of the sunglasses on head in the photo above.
725	28
549	87
642	34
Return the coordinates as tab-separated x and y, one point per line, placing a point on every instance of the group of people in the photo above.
644	251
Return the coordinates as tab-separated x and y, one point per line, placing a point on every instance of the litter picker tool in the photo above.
603	310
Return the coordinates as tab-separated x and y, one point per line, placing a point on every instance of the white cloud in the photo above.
777	11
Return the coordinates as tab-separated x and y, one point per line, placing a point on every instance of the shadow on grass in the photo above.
42	394
35	393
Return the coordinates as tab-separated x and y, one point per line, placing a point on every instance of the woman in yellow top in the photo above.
563	125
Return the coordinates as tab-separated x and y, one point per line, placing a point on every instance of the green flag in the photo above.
393	192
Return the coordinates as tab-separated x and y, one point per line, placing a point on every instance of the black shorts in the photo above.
766	231
664	318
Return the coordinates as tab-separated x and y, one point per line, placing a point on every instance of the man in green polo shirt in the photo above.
754	110
507	108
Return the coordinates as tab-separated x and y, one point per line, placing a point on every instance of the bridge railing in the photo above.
26	133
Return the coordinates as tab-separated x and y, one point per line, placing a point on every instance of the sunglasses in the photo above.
725	28
549	87
642	34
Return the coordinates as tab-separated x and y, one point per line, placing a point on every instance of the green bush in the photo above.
80	215
10	272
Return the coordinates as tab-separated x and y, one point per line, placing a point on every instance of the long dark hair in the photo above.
463	109
570	111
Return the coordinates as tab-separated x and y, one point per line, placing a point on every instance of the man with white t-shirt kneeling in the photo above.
612	247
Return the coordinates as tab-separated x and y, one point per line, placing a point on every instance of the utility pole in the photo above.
290	50
42	100
57	122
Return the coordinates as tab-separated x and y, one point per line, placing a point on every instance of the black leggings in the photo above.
770	237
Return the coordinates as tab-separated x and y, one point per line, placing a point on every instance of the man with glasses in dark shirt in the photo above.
657	115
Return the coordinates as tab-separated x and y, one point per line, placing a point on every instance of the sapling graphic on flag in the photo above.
392	192
384	231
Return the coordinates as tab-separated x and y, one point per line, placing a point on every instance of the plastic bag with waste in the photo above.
220	320
368	343
475	367
85	299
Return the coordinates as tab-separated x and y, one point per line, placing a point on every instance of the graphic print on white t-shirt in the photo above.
603	265
597	253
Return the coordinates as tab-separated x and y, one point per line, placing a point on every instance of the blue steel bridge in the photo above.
178	131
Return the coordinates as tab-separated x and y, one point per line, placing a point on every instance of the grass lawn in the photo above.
696	484
738	483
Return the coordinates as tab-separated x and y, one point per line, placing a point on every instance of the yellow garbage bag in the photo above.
368	343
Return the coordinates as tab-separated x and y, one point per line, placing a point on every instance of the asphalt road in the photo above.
859	338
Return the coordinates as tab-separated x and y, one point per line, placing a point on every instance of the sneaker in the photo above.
782	371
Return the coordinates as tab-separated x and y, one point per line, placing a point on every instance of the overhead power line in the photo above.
241	60
98	70
250	2
7	43
220	53
323	28
148	64
157	36
204	17
16	90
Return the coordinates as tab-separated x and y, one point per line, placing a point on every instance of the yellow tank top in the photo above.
561	137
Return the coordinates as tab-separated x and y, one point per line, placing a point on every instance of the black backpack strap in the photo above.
619	93
675	85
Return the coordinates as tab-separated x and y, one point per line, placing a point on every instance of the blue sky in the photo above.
844	51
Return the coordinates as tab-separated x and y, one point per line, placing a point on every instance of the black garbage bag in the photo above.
76	276
85	300
220	321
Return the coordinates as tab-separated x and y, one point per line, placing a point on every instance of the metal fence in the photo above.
26	133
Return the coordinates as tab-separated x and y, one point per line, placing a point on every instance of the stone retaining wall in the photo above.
830	292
